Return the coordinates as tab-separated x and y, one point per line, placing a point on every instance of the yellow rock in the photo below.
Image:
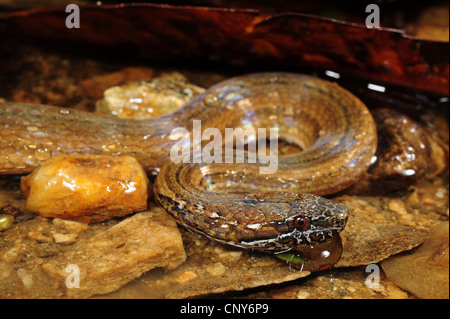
86	188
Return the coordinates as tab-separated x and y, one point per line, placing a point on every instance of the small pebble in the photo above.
230	255
186	276
6	222
351	289
64	239
440	193
303	295
5	270
27	279
216	269
39	237
70	225
397	206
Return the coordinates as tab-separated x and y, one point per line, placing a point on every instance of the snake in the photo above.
230	202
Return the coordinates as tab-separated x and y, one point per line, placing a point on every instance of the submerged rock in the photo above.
423	271
148	99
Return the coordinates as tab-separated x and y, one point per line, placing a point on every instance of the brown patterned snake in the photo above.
334	129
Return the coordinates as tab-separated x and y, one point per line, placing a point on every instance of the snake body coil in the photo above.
334	129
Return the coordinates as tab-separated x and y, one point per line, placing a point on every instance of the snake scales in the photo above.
277	212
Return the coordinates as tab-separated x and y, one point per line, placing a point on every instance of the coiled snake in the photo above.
230	202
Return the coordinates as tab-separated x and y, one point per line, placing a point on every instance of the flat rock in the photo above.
424	271
101	259
124	252
373	234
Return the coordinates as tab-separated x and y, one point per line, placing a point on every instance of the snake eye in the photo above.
301	223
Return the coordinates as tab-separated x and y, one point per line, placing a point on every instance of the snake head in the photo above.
316	219
315	224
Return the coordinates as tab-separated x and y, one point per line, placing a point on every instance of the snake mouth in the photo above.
291	241
315	257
